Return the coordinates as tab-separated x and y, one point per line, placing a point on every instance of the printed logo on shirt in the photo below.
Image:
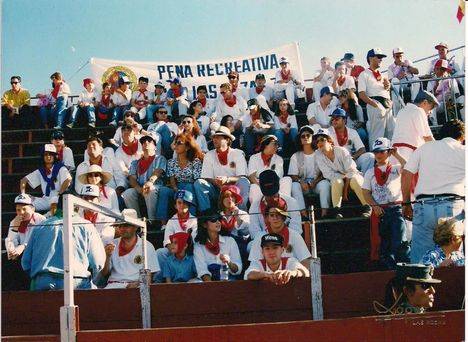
138	259
232	165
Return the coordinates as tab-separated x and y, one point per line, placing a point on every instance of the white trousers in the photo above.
381	123
289	89
323	189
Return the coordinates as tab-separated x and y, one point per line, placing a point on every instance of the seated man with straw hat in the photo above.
124	256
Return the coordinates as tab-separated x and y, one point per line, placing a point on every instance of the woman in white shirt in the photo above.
213	251
95	175
285	125
267	158
302	170
337	165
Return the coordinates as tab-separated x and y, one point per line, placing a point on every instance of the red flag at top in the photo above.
461	10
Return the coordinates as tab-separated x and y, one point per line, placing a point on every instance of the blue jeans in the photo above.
364	137
118	112
47	282
88	111
425	217
207	194
55	114
392	234
286	138
166	141
166	196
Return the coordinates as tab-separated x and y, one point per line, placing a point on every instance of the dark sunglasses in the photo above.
425	286
14	82
232	77
186	122
222	92
306	135
321	139
179	143
162	112
94	174
213	219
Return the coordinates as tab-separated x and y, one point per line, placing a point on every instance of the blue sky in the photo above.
40	37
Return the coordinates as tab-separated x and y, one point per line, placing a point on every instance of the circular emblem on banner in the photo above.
138	259
113	74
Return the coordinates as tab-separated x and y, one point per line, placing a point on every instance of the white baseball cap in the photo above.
283	60
127	213
23	199
398	49
322	131
381	144
90	190
50	148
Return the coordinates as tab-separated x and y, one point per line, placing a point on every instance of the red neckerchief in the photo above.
258	90
381	177
90	216
102	189
23	226
144	164
183	220
356	71
266	158
223	156
213	248
284	261
60	154
342	137
285	76
341	80
176	92
228	225
231	102
377	74
203	102
124	250
143	92
130	149
48	171
55	91
105	99
284	117
284	233
99	162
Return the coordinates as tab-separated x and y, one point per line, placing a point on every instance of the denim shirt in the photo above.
44	252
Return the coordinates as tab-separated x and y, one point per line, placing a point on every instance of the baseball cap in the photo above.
260	77
185	196
340	112
50	148
283	60
442	63
338	64
348	56
160	85
415	272
381	144
327	90
23	199
252	103
398	50
175	80
322	131
307	128
124	79
58	135
271	239
269	182
90	190
425	95
441	44
149	137
375	52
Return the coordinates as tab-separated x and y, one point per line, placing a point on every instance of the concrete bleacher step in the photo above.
25	149
10	182
26	165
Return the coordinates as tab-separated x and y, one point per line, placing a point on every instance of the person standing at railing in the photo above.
374	91
441	184
352	69
442	49
16	113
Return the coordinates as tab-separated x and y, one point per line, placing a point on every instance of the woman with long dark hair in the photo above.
285	125
196	111
349	102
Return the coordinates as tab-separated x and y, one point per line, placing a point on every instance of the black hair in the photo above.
202	87
191	110
143	79
290	109
265	142
453	129
225	119
94	138
104	85
395	287
17	77
202	233
298	141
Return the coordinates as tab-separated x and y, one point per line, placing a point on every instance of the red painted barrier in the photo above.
437	326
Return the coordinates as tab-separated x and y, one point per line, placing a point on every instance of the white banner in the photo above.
192	74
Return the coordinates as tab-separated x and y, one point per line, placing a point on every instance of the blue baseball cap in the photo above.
184	195
327	90
348	56
375	52
339	112
175	80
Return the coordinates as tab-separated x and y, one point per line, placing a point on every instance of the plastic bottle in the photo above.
224	272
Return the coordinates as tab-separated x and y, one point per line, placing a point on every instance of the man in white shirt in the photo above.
64	153
273	267
324	78
124	257
237	89
411	127
441	184
142	97
341	80
208	104
129	151
374	91
86	102
121	99
442	49
221	166
261	88
286	80
319	111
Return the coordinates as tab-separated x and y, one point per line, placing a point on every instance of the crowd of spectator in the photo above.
228	180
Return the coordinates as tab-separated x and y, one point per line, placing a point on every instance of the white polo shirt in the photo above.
119	100
256	165
292	264
354	141
299	248
64	90
369	84
35	179
342	166
123	160
236	164
347	84
173	226
68	159
237	111
87	97
411	126
209	107
203	257
308	166
322	116
127	268
137	96
441	167
291	120
390	191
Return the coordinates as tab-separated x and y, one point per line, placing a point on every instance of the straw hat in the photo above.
105	176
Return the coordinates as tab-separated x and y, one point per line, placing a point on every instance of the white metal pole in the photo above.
68	311
315	272
145	280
